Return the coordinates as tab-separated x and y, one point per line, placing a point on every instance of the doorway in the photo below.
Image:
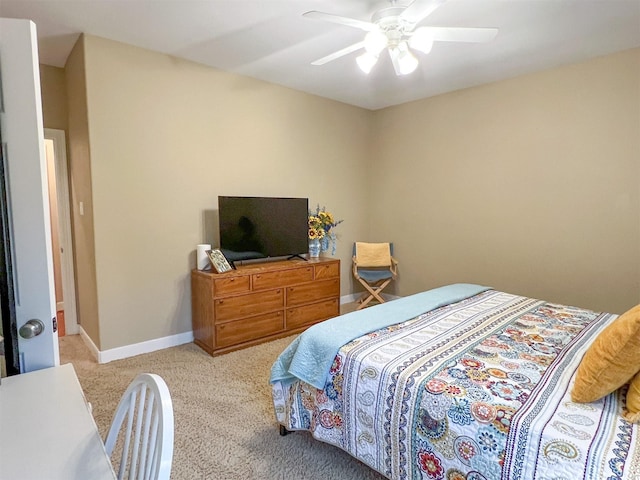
59	207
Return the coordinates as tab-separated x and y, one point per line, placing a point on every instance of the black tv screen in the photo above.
261	227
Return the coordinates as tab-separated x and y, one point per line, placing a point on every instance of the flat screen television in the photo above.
262	227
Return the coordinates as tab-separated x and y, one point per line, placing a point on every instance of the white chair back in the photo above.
144	443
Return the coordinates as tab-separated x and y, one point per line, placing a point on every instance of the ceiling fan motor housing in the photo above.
392	24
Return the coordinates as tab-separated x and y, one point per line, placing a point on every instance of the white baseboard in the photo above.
349	298
89	343
106	356
388	296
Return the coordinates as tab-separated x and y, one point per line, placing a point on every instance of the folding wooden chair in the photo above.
374	267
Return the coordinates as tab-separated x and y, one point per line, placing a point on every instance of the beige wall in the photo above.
80	191
54	97
529	185
167	137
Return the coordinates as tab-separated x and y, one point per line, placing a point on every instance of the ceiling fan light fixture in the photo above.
421	40
366	61
375	41
408	63
404	62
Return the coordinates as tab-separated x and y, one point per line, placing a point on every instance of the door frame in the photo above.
64	229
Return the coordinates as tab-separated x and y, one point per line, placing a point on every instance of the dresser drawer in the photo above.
247	329
327	271
226	286
247	305
309	292
281	278
314	313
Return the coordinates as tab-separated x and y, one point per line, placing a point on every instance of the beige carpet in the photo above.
225	426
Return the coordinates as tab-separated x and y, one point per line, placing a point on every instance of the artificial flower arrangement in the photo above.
321	225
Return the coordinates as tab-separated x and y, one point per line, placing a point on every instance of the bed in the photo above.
461	382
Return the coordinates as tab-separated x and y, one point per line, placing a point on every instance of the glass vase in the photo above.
324	244
314	248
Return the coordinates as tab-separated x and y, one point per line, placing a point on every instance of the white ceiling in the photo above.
271	41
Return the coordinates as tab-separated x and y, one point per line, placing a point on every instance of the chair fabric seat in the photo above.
372	276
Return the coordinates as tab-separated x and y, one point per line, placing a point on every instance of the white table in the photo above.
46	430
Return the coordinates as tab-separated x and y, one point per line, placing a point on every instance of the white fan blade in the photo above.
339	53
394	54
351	22
419	10
461	34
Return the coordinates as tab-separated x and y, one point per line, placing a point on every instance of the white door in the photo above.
22	136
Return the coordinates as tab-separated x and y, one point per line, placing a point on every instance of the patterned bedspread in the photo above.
474	390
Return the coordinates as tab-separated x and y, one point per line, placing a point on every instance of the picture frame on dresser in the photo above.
218	261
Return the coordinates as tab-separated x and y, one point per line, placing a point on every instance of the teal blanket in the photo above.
310	356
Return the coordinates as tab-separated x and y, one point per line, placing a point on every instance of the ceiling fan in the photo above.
394	28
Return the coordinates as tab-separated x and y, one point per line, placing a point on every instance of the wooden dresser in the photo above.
261	302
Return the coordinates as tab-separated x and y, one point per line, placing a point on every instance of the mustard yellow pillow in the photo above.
632	412
611	360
